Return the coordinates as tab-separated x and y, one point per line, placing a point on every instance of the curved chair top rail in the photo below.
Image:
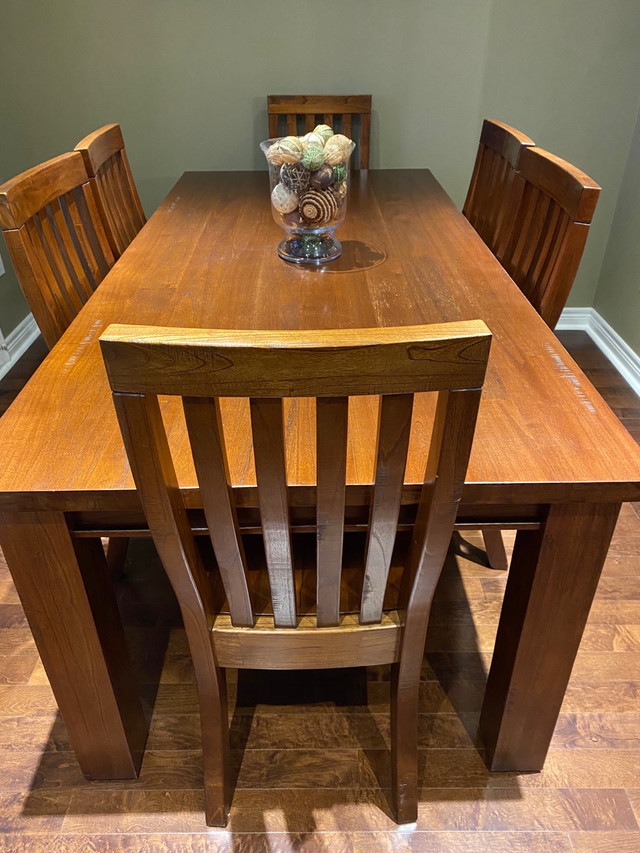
23	196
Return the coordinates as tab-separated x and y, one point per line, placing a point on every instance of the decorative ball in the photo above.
293	219
324	131
295	177
312	139
323	178
318	206
286	150
340	191
337	149
339	173
283	199
313	157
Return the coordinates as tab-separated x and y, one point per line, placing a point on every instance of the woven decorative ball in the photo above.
295	177
283	199
323	178
312	139
318	206
339	173
286	150
337	149
323	130
313	157
340	191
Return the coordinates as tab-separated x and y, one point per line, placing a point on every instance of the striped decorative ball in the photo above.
318	207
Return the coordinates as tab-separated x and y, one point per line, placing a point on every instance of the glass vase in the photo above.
308	194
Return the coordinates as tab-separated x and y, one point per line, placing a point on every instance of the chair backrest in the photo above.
55	231
107	164
292	115
497	161
202	366
552	205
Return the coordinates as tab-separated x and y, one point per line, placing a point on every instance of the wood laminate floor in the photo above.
313	777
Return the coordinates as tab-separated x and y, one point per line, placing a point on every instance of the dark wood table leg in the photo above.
552	580
67	596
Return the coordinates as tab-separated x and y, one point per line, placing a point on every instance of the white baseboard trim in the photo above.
17	343
608	341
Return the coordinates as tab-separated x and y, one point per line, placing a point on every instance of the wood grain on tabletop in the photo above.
536	401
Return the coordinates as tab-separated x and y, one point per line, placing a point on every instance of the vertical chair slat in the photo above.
541	215
60	284
137	213
86	275
109	184
65	251
121	195
79	224
309	122
394	427
346	125
118	235
365	137
204	423
331	431
544	242
89	214
292	125
268	446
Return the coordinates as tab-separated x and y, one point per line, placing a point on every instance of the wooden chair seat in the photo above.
108	167
328	592
294	115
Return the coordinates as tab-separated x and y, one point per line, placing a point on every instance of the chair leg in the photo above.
404	746
494	546
116	555
215	750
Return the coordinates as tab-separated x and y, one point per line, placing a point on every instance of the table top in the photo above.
207	259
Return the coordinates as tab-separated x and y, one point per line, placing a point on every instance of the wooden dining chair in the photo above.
55	232
56	235
107	165
266	366
497	161
291	115
552	206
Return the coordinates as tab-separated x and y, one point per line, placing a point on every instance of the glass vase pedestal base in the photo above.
310	248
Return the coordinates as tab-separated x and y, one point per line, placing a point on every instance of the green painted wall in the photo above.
187	80
566	72
618	296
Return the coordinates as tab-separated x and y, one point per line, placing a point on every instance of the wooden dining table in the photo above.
549	457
